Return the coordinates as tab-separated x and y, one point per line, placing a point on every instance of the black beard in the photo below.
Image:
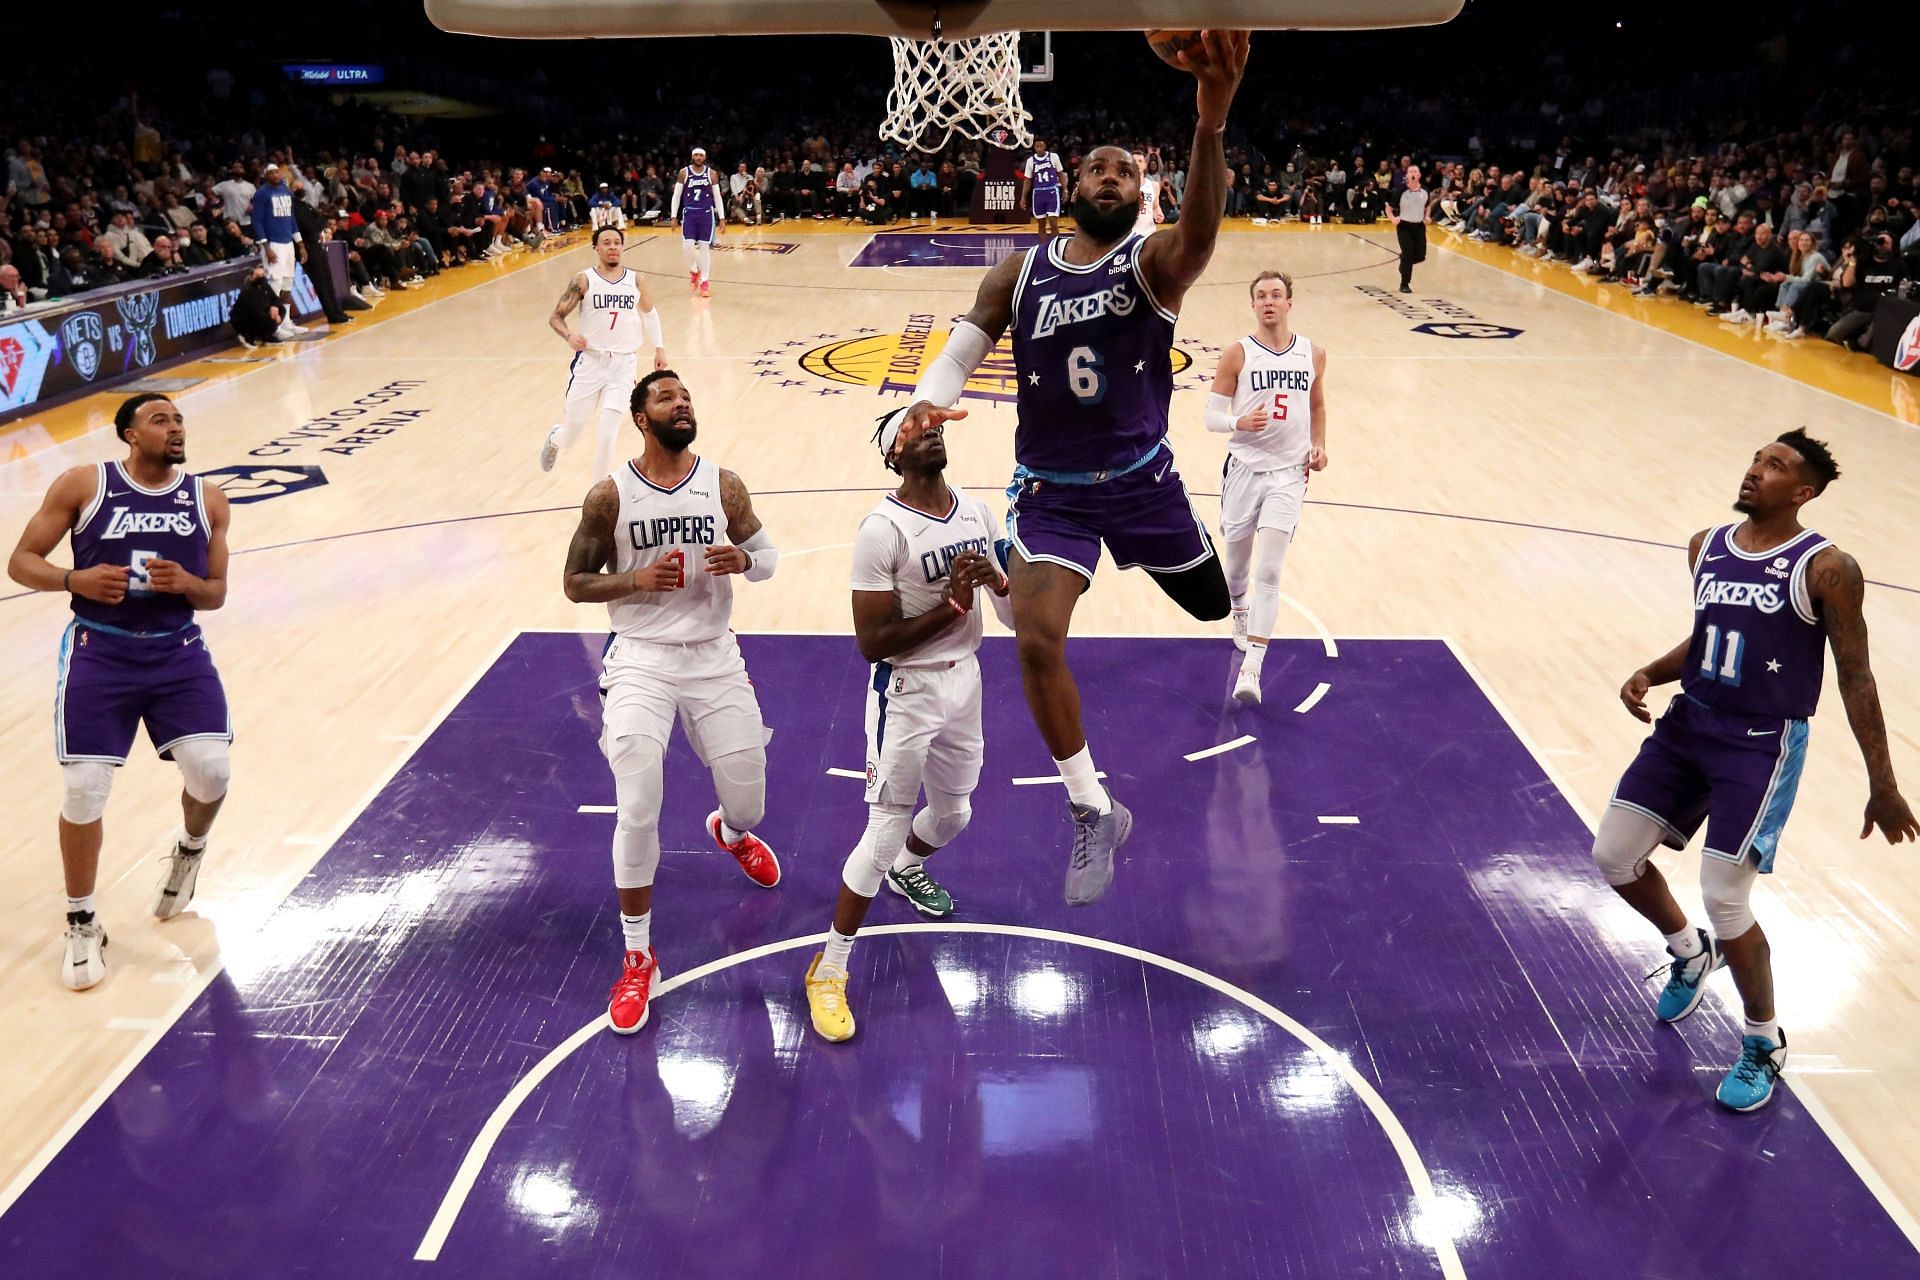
673	437
1744	506
1105	228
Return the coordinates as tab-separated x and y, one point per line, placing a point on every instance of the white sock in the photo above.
191	843
833	962
83	905
1686	943
705	253
1769	1030
729	835
1256	655
1083	787
907	860
638	930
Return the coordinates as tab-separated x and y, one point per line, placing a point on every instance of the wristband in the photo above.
958	608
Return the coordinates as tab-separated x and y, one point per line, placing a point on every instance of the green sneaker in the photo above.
922	890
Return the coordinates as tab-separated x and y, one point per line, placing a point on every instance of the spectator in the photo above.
651	195
236	195
13	290
1806	266
846	192
1869	270
257	316
603	208
1762	272
72	274
34	259
1714	282
130	247
162	260
1270	203
736	187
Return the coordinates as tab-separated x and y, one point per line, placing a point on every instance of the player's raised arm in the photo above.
1173	262
752	553
1839	589
967	347
570	299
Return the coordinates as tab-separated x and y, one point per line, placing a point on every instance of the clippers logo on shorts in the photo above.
667	531
83	338
1764	596
938	565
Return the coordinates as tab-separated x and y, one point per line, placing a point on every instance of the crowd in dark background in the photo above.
1567	137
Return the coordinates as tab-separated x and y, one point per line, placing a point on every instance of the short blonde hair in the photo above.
1281	276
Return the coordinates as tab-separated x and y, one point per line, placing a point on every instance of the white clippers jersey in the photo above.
1281	382
610	316
655	523
908	552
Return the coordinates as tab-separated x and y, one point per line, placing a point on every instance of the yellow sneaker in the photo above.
827	1001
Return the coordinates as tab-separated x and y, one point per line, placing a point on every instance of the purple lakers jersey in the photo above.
696	193
126	524
1044	169
1758	648
1094	353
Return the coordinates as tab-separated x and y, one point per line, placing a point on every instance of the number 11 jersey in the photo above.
1759	647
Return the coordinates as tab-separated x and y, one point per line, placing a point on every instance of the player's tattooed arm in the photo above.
742	523
1839	590
592	550
570	298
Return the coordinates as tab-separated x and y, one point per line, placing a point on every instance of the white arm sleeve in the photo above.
1002	606
719	206
1220	413
650	328
763	556
943	381
678	187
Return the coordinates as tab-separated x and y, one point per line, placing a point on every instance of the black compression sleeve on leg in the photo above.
1201	590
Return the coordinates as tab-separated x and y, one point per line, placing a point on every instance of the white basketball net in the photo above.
943	87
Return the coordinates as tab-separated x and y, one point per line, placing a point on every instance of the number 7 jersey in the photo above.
1092	351
1759	647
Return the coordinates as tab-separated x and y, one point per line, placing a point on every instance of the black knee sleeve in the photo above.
1201	590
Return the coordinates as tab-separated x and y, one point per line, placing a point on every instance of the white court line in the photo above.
1313	699
1869	1176
197	982
1337	820
597	808
1326	636
134	1024
1040	782
1426	1203
847	773
1222	749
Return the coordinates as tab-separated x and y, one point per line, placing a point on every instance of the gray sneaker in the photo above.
176	890
1095	838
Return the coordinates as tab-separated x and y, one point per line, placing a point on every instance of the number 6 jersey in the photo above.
1758	646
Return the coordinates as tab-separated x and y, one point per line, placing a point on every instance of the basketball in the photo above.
1169	45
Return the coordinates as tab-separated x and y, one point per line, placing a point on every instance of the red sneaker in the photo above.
706	290
693	279
755	858
627	1003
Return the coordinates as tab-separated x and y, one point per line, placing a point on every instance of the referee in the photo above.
1410	223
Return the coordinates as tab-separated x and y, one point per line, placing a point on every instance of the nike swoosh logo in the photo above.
1044	279
1161	474
1761	733
1711	559
116	493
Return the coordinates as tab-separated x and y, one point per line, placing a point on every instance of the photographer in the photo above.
1869	269
256	311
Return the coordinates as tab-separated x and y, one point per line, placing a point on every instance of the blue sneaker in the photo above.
1749	1086
1687	979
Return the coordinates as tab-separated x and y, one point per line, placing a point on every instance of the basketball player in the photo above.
1093	318
1150	215
618	318
698	205
674	528
1043	173
277	232
149	550
1410	225
1767	595
918	561
1269	398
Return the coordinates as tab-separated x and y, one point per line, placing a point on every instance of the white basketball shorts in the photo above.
923	725
598	380
1251	500
645	685
281	264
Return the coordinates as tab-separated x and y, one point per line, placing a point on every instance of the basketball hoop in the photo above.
969	86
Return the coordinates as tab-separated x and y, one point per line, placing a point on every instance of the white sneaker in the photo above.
84	963
175	890
1240	630
1583	264
549	451
1738	316
285	333
1246	690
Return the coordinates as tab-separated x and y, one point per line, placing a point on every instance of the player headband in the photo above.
887	431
